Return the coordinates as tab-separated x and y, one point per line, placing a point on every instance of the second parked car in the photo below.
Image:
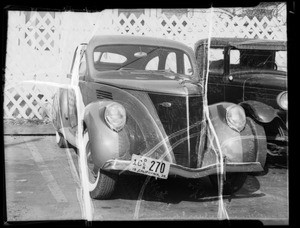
252	73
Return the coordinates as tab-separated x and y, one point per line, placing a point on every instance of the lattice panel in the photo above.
133	25
28	101
39	31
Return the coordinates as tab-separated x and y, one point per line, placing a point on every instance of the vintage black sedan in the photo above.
253	74
143	114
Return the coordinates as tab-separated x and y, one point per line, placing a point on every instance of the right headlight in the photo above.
236	117
282	100
115	116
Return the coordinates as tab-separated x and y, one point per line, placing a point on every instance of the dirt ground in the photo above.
42	183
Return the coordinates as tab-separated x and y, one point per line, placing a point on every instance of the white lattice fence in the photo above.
184	29
41	44
32	50
190	29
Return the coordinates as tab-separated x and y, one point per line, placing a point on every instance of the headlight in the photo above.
235	117
282	100
115	116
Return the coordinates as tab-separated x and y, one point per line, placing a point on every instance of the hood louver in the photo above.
103	94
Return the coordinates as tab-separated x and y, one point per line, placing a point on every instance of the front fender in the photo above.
260	111
104	141
249	145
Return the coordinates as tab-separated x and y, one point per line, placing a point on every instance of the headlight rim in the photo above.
109	123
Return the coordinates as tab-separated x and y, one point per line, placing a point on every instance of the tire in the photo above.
102	184
233	182
60	140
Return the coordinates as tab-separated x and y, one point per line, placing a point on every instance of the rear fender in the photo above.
104	141
249	145
60	110
259	111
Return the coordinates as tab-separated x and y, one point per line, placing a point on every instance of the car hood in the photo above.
267	80
159	82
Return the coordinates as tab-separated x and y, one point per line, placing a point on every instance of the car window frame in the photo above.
225	61
83	48
193	75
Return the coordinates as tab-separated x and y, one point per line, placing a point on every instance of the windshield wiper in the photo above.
182	78
126	68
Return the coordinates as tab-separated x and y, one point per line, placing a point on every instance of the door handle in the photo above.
230	78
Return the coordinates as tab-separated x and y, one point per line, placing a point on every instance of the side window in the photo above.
235	62
73	62
188	70
171	63
235	57
281	60
79	62
82	66
152	64
216	60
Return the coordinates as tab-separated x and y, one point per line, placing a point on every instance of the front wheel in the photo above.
101	183
233	182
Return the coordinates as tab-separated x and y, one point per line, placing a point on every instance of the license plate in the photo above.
149	166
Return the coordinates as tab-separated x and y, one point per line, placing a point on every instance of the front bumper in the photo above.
178	170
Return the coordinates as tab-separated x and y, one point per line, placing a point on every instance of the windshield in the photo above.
247	60
141	57
250	60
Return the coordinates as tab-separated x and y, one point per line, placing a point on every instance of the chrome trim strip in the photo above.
188	128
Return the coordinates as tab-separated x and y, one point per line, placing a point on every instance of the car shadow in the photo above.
6	145
278	162
176	190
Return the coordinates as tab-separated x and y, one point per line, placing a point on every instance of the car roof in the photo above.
245	43
137	40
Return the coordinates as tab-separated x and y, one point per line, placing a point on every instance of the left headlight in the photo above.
282	100
236	117
115	116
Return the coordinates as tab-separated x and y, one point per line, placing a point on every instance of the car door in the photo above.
77	76
215	86
234	82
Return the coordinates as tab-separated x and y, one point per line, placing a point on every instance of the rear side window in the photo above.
281	60
171	63
188	70
153	64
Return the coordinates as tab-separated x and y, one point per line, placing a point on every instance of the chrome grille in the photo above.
173	116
